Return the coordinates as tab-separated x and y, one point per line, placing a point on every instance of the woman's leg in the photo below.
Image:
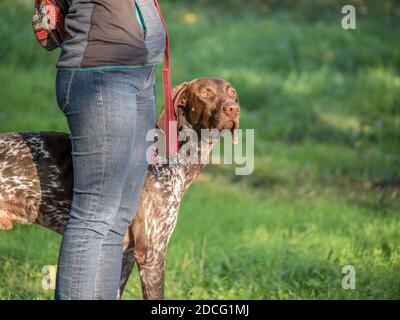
107	280
101	109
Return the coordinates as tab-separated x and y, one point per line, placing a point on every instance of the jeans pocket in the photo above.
63	87
151	78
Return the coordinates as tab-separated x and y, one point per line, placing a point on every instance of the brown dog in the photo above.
36	180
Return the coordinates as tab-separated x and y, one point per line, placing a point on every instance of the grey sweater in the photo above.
107	33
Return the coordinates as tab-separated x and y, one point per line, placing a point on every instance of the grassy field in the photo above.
325	106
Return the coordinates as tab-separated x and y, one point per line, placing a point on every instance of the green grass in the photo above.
325	106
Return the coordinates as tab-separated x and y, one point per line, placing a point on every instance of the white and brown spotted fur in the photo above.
36	181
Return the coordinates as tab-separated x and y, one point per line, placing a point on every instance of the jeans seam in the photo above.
149	79
76	279
68	91
106	159
98	274
93	204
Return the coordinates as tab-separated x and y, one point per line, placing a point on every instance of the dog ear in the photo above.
180	97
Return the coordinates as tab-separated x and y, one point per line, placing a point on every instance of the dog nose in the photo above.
232	110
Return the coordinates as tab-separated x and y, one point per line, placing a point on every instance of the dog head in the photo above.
206	103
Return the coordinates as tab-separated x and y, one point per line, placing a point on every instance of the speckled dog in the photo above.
36	180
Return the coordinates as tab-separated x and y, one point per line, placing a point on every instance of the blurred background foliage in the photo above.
325	106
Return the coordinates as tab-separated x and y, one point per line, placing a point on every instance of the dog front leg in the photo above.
152	232
150	257
151	271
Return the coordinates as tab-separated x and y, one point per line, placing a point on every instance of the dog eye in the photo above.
232	92
205	93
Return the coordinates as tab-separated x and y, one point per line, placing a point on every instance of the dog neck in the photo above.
193	170
202	148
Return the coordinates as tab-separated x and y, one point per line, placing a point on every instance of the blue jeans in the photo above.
109	112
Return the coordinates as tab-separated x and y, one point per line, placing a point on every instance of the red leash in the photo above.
171	134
